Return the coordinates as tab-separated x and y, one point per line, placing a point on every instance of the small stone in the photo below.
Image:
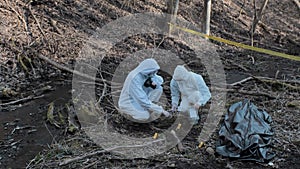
228	166
210	151
294	103
271	164
172	165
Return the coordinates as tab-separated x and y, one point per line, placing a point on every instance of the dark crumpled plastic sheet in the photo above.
246	133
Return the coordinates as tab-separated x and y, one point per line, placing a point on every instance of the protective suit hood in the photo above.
180	73
191	88
147	67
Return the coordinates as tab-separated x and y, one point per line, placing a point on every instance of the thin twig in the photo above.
239	66
241	81
258	17
297	3
254	18
54	25
37	22
31	161
103	94
90	165
161	42
21	100
50	133
18	14
242	8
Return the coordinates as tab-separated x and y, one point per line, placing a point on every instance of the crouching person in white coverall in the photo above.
141	90
193	91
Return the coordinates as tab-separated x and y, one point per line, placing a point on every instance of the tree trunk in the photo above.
170	6
206	17
258	17
172	9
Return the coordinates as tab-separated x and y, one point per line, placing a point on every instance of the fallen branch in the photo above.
269	80
18	14
91	165
37	22
241	81
21	100
297	3
59	66
244	92
68	161
283	81
238	65
280	82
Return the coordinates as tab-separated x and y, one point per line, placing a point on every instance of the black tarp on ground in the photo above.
246	133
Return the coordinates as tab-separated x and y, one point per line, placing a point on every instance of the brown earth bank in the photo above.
30	86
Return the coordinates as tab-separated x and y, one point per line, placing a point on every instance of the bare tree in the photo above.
172	9
206	17
257	17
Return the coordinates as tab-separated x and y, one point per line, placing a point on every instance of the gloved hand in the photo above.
150	83
194	116
197	106
174	108
167	114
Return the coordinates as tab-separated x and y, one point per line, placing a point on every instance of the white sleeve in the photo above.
175	93
204	91
158	80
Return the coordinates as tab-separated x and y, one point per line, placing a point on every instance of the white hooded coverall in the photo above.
192	89
136	100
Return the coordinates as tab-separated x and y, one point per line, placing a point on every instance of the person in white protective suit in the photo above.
141	89
192	89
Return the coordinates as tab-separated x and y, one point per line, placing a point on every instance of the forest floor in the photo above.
30	85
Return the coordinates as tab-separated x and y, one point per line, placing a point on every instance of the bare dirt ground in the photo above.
59	29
